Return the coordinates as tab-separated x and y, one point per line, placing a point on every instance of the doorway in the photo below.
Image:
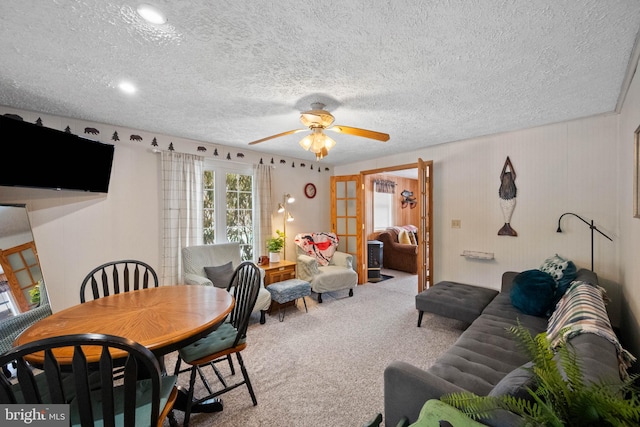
416	178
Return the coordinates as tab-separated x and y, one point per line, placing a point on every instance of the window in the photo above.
383	210
209	219
228	207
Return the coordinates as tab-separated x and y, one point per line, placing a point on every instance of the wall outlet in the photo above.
455	223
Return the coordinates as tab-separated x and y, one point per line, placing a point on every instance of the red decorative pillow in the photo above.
321	246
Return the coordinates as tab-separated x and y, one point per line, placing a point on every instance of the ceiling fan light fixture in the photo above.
317	142
317	145
321	154
329	143
317	117
306	142
318	120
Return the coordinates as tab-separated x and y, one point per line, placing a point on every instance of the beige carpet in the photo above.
325	367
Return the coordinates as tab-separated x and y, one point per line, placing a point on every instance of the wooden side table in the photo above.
278	272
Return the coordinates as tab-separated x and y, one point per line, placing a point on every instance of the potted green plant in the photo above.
275	245
559	396
34	294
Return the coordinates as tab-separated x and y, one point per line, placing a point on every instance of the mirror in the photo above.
21	282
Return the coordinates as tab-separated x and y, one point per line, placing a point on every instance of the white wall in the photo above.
629	227
75	232
565	167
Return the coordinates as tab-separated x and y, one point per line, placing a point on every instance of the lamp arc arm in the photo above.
590	224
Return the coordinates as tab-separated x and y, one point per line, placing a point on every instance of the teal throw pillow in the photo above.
562	270
533	292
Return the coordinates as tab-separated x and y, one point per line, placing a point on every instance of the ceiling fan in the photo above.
318	120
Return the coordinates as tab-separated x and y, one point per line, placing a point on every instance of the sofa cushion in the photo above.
562	270
403	237
486	352
220	275
516	383
533	292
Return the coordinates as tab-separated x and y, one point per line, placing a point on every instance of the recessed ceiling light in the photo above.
151	14
127	87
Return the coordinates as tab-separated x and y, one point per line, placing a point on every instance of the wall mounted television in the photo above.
42	157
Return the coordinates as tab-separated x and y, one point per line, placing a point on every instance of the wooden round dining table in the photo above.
163	319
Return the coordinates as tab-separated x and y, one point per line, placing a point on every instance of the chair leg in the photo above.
192	385
319	298
305	305
246	379
176	370
374	422
231	367
351	292
420	318
263	317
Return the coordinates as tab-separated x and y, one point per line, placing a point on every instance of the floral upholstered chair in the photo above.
324	267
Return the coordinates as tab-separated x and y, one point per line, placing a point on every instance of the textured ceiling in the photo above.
230	72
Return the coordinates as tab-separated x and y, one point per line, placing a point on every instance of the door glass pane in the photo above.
16	261
351	244
341	208
23	278
342	247
36	273
351	207
29	257
341	226
351	226
340	193
351	189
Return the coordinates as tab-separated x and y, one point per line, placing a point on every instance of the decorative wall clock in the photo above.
310	190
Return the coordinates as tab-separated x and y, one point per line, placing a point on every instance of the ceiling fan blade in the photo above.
384	137
289	132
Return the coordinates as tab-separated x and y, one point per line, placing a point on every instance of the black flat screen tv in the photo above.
41	157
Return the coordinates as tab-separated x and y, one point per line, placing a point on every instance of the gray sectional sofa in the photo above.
483	355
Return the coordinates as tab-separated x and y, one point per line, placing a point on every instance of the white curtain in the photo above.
182	176
262	209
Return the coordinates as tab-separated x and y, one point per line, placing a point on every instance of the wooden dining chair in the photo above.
118	276
56	371
229	338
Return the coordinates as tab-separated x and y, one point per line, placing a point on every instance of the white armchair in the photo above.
336	276
196	258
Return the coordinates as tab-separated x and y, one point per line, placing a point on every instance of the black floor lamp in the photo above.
591	226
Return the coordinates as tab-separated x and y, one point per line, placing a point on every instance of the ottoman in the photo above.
289	290
454	300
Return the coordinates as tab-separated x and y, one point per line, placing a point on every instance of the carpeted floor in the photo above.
325	367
